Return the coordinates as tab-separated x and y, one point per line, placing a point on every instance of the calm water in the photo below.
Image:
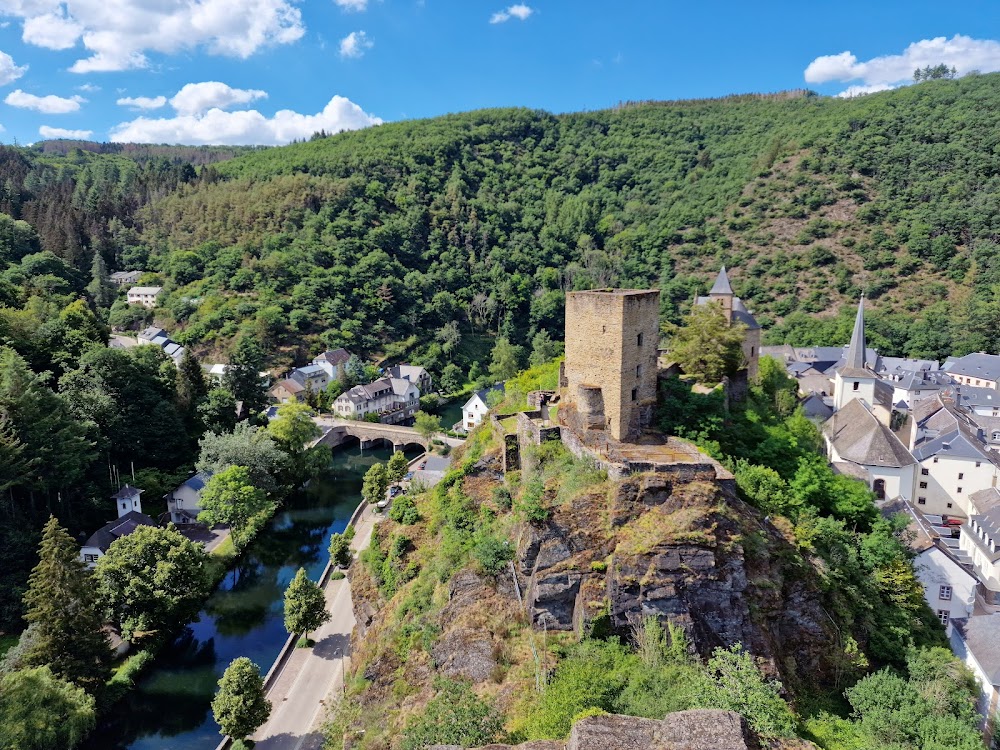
170	707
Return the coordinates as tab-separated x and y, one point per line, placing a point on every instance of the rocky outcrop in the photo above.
685	551
683	730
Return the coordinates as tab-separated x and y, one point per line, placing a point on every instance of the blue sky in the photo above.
267	71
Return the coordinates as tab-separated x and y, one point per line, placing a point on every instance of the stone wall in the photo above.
611	341
511	448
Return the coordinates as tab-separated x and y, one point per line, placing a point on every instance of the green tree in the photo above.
305	605
100	288
38	711
152	580
293	428
375	484
734	683
240	706
451	378
506	360
230	497
242	377
454	716
191	386
247	445
543	349
217	411
707	346
340	550
396	467
427	425
62	609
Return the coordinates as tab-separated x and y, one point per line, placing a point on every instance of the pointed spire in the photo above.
856	352
721	285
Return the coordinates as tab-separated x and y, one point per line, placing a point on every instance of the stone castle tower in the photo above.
610	369
722	294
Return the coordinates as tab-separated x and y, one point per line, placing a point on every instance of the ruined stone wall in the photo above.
611	344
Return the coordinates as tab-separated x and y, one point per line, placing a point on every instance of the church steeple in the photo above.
857	351
721	285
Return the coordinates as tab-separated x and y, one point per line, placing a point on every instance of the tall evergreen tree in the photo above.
62	605
191	386
100	288
242	377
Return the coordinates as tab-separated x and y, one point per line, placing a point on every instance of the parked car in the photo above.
948	521
382	504
423	465
395	490
408	476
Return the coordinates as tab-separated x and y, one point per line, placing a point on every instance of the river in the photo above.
169	709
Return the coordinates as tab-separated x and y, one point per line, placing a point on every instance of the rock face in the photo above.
685	551
684	730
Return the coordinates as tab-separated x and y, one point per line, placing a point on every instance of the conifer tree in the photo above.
242	377
305	605
241	706
62	604
100	288
191	386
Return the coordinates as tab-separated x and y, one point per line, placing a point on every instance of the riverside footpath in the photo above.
303	681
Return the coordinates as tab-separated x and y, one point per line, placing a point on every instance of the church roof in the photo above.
722	285
861	438
854	364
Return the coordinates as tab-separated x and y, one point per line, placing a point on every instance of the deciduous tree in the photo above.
707	346
38	711
305	605
240	706
396	467
375	484
230	497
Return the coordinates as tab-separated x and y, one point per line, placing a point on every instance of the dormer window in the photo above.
856	385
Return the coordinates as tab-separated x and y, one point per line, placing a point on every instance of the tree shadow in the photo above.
333	646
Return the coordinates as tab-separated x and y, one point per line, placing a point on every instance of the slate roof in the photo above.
126	493
334	356
722	285
979	635
985	499
145	290
988	521
740	312
970	396
856	359
980	365
197	482
413	373
860	438
890	365
290	385
483	394
151	333
104	536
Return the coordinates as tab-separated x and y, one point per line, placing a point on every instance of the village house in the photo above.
311	377
975	641
394	400
414	373
981	370
158	337
144	295
949	589
130	517
980	540
955	462
184	503
125	278
333	363
287	390
477	407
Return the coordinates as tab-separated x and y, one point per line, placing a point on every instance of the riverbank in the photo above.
170	707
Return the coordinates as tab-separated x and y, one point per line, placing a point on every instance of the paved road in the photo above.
312	677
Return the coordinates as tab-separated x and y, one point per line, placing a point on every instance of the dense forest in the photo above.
430	240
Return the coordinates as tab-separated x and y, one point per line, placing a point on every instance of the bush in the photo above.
337	575
492	553
502	498
404	511
454	716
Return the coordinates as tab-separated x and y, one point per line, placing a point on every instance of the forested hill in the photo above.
386	235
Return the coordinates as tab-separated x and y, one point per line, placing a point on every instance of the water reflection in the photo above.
170	708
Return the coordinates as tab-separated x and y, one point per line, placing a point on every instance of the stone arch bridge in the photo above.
339	431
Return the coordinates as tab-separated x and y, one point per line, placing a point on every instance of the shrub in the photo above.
492	553
454	716
404	511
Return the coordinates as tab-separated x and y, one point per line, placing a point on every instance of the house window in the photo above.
90	558
856	385
921	501
635	394
961	475
943	616
959	490
638	371
935	459
123	506
923	485
950	504
924	472
944	592
638	340
996	435
978	464
751	351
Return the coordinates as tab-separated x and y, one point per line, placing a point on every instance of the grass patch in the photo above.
660	526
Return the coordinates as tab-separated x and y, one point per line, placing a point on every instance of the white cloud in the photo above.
355	44
118	34
50	105
352	5
852	91
52	31
519	11
89	88
142	102
245	126
77	135
9	72
196	98
963	53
